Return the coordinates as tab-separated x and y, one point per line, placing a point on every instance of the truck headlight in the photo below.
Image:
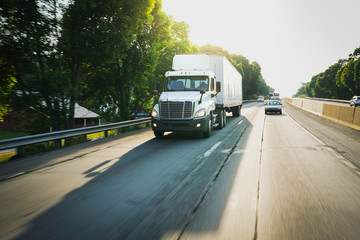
154	114
200	113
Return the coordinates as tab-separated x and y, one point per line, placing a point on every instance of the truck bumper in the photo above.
198	124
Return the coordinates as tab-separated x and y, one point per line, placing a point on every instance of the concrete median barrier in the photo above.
331	112
356	120
348	116
314	107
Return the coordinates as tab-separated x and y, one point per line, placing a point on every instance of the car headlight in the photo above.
200	113
154	114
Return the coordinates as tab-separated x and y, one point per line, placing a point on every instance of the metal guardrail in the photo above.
58	135
328	100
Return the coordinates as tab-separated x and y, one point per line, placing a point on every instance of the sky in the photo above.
292	40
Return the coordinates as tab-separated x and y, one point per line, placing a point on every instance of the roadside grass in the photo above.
5	133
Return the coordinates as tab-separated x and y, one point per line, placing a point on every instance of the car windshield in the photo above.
273	103
188	83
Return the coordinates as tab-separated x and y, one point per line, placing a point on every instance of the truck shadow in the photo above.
150	192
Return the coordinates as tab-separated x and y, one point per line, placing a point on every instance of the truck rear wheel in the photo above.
222	119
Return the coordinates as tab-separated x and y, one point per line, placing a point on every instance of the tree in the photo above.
252	79
28	45
99	32
129	82
339	81
7	82
349	75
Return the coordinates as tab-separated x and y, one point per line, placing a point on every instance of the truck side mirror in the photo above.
202	92
218	87
157	90
158	86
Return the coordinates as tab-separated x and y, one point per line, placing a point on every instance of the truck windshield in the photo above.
188	83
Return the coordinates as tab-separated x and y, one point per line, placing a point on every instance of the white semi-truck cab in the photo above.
189	100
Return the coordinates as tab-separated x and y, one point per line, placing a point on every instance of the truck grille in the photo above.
176	110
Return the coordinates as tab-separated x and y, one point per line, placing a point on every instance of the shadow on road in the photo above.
151	191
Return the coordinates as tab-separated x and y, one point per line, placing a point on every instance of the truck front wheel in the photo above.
159	134
208	131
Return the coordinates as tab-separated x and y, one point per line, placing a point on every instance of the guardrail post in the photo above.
57	143
122	130
106	133
19	151
84	139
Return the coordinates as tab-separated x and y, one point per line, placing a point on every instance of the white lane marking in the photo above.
240	122
208	152
226	150
15	175
234	199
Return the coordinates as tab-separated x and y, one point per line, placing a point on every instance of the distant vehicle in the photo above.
275	98
260	99
273	106
273	94
355	101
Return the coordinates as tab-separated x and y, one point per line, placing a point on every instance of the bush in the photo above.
37	148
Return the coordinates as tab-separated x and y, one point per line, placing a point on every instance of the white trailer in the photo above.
230	97
197	95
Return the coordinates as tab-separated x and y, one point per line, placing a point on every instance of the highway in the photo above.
289	176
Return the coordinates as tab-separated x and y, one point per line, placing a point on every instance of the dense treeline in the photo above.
106	55
253	82
339	81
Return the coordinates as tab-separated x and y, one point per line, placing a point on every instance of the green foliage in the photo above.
254	84
29	47
124	87
304	91
339	81
37	148
5	134
7	82
108	55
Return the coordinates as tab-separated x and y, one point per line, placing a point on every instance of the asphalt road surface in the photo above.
261	177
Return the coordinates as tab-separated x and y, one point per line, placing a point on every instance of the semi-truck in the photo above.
197	94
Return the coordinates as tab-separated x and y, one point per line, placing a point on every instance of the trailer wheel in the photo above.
159	134
236	111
